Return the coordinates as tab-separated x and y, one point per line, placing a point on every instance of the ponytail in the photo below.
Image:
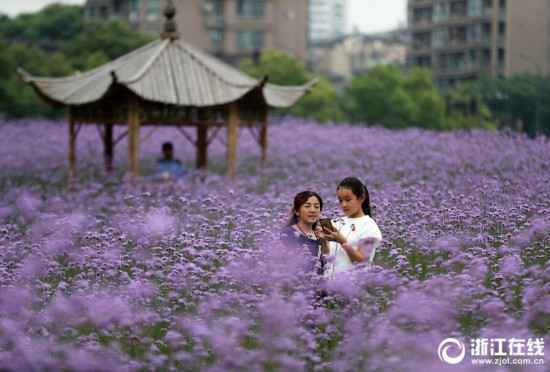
366	203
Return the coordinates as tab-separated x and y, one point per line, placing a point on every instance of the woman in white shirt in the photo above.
356	235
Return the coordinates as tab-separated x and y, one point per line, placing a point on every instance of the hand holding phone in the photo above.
326	224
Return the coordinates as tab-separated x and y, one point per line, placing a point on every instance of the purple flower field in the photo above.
188	276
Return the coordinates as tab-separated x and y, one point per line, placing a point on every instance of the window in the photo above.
217	8
473	33
441	12
486	33
487	7
103	12
424	61
153	10
502	29
117	6
421	15
216	36
421	40
472	57
251	8
91	12
501	58
134	10
442	61
134	5
458	9
486	58
440	38
457	35
456	60
474	8
250	40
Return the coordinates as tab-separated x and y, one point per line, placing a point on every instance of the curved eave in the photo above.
167	72
91	86
82	94
278	96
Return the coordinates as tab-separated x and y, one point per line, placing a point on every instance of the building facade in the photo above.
231	29
462	39
328	19
343	58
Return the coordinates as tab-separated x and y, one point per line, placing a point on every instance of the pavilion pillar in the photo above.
133	139
263	136
72	150
232	139
108	147
202	146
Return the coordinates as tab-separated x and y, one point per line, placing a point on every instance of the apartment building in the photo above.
462	39
328	19
230	29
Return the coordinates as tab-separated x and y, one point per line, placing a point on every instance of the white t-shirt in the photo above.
355	230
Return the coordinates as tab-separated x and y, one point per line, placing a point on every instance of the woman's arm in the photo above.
355	255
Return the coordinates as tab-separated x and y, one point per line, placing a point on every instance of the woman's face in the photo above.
310	211
349	202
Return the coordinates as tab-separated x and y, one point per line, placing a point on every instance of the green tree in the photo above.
19	99
467	108
99	42
430	110
384	95
49	29
280	67
320	104
429	105
370	97
55	41
521	101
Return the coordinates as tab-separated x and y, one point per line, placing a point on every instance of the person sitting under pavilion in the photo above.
168	166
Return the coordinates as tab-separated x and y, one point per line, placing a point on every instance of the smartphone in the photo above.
326	224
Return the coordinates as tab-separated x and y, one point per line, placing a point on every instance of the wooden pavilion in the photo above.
166	82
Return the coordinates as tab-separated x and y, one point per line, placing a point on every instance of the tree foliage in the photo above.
385	95
55	41
281	68
467	109
520	102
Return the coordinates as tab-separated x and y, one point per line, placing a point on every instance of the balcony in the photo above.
459	71
420	50
458	42
214	21
420	3
422	24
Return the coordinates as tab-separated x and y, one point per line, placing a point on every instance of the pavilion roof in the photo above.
168	71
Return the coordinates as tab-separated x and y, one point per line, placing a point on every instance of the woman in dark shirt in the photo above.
300	230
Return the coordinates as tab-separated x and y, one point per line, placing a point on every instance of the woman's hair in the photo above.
358	189
299	200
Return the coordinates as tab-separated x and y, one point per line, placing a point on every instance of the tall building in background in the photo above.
327	19
231	29
462	39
